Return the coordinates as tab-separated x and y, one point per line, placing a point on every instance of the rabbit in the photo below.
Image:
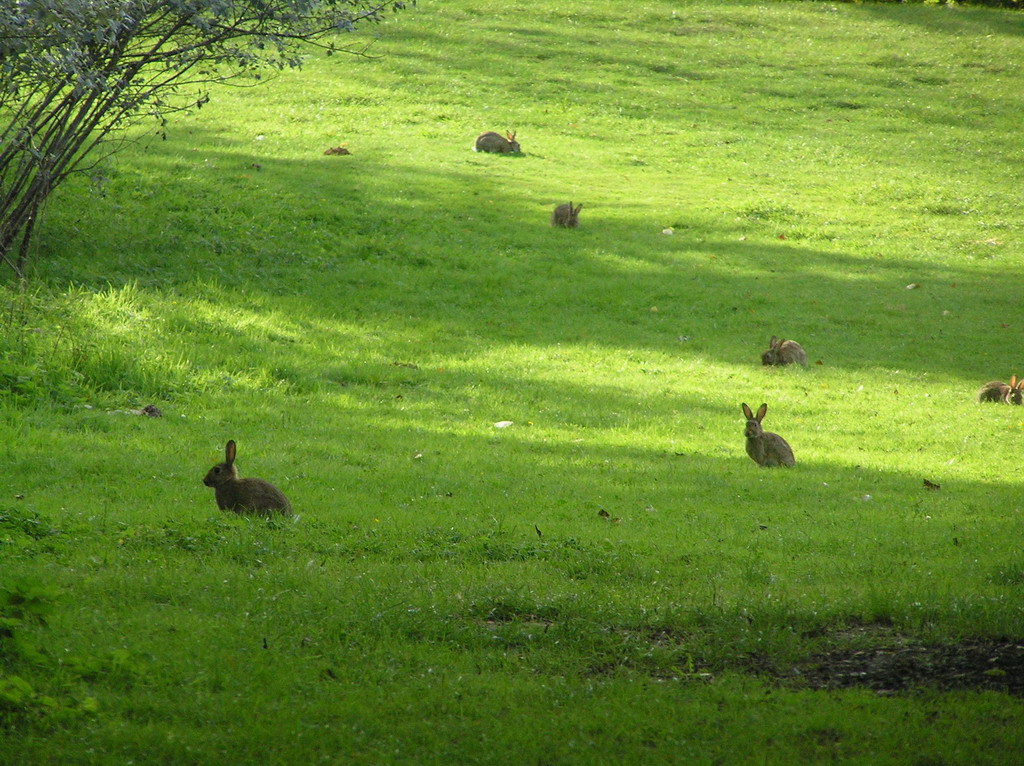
766	449
997	391
244	495
566	216
494	142
784	352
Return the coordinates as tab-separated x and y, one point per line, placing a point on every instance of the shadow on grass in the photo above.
336	241
969	19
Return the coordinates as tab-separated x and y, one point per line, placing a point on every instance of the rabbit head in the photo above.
753	428
223	473
1015	394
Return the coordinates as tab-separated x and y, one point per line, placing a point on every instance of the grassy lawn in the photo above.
526	529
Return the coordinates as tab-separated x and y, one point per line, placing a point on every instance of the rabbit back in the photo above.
994	391
243	496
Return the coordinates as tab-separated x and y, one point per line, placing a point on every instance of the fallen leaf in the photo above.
337	150
603	513
913	286
503	424
931	485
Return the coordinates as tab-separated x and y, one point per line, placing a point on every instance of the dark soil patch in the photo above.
977	665
872	655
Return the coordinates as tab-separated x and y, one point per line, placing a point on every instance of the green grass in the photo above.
450	590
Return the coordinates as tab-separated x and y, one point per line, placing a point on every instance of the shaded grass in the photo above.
321	633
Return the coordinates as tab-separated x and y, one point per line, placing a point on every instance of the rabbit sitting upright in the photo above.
244	495
766	449
566	216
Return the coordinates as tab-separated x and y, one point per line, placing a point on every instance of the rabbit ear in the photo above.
773	342
761	411
1013	381
579	207
511	136
229	452
747	412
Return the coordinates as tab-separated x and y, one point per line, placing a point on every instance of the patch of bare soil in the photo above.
977	665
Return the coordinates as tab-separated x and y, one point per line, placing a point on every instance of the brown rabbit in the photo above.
784	352
244	495
766	449
566	216
496	143
997	391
